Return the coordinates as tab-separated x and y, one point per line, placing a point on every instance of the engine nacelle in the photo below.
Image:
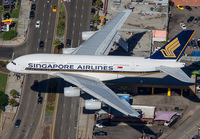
67	51
71	91
92	104
87	34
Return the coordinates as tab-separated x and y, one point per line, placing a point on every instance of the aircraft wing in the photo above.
97	89
176	73
102	41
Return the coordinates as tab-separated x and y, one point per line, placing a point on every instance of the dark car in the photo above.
41	45
188	8
68	42
36	83
100	133
33	7
198	42
40	99
194	44
190	19
196	20
195	137
32	15
93	11
17	123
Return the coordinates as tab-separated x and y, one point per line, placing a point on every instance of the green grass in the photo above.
15	12
3	81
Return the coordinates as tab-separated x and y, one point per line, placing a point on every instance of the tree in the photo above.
13	93
96	18
12	102
1	9
3	100
98	4
57	42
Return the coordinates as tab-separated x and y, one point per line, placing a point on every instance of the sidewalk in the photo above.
22	26
10	112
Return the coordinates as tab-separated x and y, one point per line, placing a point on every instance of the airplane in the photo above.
88	65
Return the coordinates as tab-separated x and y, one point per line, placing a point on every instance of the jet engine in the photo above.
67	51
71	91
92	104
87	34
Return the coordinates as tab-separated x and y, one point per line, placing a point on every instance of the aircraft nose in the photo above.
9	66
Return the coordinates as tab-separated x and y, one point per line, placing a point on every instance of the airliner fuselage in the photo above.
101	67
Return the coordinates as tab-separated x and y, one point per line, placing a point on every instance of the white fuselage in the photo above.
101	67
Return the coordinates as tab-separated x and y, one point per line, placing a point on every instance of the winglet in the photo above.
175	48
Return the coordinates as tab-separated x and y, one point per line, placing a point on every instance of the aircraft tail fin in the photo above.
175	48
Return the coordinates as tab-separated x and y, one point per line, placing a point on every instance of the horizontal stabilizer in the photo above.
176	73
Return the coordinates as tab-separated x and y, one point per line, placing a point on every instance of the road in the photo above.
67	113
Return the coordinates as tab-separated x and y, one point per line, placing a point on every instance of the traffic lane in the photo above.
28	112
66	115
188	128
181	16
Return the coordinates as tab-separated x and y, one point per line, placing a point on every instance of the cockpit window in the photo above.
13	63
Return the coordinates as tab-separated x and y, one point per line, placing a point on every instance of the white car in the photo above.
99	126
183	26
37	24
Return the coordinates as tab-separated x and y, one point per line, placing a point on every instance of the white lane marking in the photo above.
76	7
44	6
70	116
48	23
42	14
61	127
73	32
47	31
40	31
69	128
75	16
45	40
72	44
73	24
82	7
49	14
71	105
81	25
64	105
81	16
38	40
78	42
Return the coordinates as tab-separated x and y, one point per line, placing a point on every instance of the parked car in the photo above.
183	26
37	24
32	15
194	44
17	123
198	42
99	126
93	11
100	133
196	20
33	7
180	7
188	8
195	137
190	19
68	42
41	44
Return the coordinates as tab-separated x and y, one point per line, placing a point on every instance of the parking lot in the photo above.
181	16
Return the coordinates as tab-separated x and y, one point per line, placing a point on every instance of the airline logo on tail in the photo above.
170	48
